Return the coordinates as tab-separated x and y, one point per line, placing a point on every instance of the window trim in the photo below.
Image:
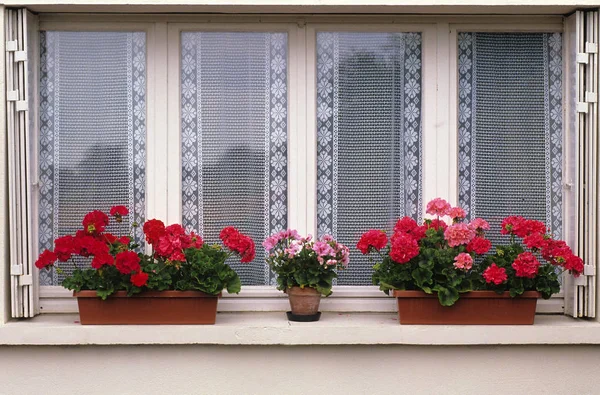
163	85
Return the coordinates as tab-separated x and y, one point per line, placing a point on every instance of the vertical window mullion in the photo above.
299	145
157	136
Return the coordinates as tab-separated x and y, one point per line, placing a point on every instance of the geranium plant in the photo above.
179	260
303	262
516	267
434	257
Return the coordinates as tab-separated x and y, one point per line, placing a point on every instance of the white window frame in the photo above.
440	95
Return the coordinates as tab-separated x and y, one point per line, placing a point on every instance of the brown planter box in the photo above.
147	308
473	308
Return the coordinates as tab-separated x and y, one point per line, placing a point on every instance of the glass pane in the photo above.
92	131
368	137
234	138
510	127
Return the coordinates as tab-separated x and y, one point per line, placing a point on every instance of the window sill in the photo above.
271	328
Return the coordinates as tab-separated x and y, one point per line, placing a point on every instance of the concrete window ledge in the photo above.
272	328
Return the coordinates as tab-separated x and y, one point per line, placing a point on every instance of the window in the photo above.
322	127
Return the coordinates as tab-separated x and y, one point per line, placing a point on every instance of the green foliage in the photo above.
431	271
204	270
546	281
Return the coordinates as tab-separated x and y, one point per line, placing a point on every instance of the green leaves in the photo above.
304	271
446	296
204	270
423	277
431	271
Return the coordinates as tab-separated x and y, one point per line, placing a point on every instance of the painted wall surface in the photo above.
299	370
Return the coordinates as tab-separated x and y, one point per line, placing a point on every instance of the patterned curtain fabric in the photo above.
510	127
369	137
234	138
92	150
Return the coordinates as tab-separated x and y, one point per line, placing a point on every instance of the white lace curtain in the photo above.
92	151
510	127
369	137
234	138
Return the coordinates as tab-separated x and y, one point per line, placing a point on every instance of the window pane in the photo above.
510	127
92	131
368	137
234	138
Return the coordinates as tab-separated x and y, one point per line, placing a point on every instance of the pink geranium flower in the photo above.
463	261
439	207
459	234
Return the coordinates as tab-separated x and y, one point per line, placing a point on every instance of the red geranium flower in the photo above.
175	230
419	232
509	224
173	241
101	260
127	262
110	238
555	251
526	265
177	256
46	258
119	211
374	239
531	226
139	279
405	225
64	247
495	274
246	249
574	264
89	245
153	229
238	242
95	222
535	241
404	248
197	241
436	224
479	245
228	233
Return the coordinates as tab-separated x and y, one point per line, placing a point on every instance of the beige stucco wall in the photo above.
300	370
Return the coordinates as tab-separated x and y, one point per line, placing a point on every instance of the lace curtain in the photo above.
234	138
510	127
368	137
92	132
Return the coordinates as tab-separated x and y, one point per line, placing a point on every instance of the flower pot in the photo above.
148	308
304	301
473	308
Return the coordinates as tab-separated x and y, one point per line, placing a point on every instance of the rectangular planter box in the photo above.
148	308
473	308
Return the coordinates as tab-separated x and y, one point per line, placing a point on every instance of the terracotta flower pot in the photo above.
160	308
473	308
304	301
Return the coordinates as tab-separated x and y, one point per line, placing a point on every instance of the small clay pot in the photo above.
304	301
